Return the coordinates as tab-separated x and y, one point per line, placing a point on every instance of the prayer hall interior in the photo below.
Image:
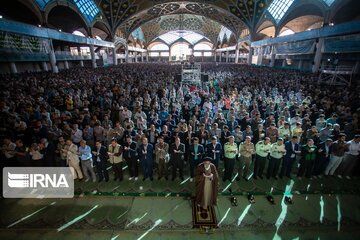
191	119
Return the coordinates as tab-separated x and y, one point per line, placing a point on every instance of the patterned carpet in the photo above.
327	208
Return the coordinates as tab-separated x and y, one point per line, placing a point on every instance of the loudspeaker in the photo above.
204	77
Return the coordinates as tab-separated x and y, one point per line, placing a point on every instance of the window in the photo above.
180	51
78	33
42	3
329	2
173	36
159	47
286	32
224	32
88	9
278	8
203	47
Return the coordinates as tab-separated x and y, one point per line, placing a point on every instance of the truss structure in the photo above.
336	75
191	75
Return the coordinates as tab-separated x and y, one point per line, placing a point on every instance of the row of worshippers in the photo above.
327	158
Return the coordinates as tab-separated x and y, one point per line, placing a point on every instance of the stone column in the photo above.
52	59
300	64
81	63
44	66
318	55
114	57
260	56
92	53
227	56
284	63
214	55
126	54
273	56
66	64
237	53
13	68
249	59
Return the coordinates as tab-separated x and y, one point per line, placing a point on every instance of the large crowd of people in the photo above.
254	122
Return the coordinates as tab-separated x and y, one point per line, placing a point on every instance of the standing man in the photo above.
351	157
214	151
86	161
276	155
263	148
323	157
73	159
336	155
100	158
115	152
292	148
308	159
131	156
162	157
246	151
230	152
145	152
177	158
196	154
207	184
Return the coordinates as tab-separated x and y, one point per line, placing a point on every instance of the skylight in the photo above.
278	8
224	32
87	8
42	3
173	36
329	2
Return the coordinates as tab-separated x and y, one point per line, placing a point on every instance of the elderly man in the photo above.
115	152
207	184
100	158
73	159
162	157
86	161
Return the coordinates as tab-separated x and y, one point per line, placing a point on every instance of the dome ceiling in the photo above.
186	22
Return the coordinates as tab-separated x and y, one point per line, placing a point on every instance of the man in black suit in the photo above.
214	150
100	156
145	152
196	155
177	158
292	148
131	156
323	157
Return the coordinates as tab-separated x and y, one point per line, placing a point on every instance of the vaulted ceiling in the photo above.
186	22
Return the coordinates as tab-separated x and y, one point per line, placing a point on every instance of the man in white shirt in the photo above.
351	157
